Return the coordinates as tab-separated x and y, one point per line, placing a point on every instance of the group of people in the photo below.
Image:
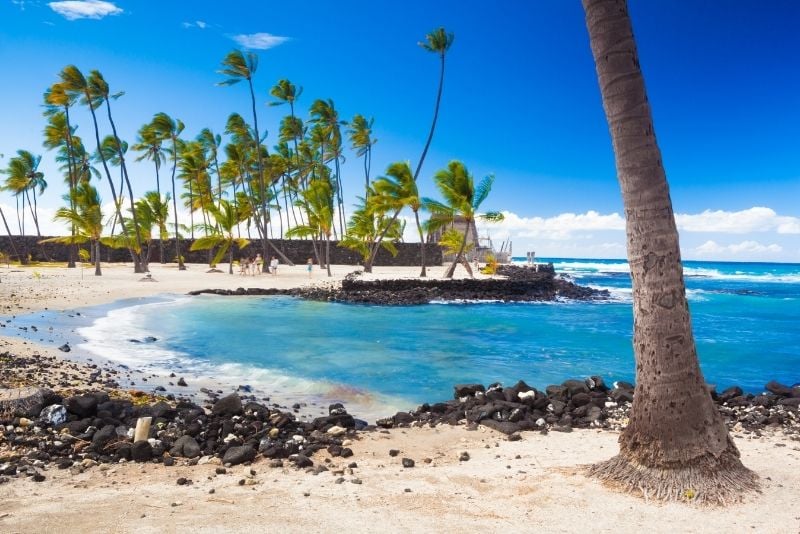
254	266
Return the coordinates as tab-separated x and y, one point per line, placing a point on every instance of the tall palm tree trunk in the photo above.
10	237
178	256
73	247
435	117
460	256
328	253
423	273
117	206
262	189
676	445
141	264
161	258
97	271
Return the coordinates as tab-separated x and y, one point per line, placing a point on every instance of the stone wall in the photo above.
297	251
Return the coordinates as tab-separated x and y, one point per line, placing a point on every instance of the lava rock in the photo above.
239	455
228	406
186	447
141	451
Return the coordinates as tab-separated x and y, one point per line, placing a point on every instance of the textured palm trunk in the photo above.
459	257
97	271
675	445
161	258
140	266
435	117
179	258
262	189
328	253
73	248
10	237
424	272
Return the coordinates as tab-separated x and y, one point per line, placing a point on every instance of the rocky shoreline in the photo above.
516	284
77	430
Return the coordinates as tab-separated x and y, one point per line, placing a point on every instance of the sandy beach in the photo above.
527	485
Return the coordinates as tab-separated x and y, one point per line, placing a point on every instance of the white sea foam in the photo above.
110	337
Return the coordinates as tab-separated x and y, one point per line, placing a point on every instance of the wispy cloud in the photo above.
713	249
756	219
84	9
20	4
259	41
196	24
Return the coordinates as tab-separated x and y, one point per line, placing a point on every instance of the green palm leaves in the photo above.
438	41
238	66
462	200
227	217
85	216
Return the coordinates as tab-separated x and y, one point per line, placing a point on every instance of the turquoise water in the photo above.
745	317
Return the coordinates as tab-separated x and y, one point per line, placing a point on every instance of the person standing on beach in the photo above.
259	264
274	265
309	266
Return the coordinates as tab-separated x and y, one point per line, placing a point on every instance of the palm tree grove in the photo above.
399	267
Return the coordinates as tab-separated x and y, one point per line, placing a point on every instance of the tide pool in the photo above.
745	318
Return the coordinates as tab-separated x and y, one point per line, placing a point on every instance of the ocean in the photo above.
381	359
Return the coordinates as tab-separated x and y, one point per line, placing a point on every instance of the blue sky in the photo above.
520	101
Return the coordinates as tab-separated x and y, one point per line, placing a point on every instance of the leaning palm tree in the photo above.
238	66
361	141
367	223
148	142
170	129
437	42
329	135
154	212
85	215
463	199
23	179
676	446
226	218
398	190
317	201
22	260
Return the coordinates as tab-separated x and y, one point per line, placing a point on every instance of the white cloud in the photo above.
84	9
561	226
713	249
756	219
260	41
196	24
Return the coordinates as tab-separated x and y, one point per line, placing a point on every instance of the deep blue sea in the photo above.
746	319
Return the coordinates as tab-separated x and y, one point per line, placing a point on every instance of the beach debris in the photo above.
142	431
65	347
182	382
408	462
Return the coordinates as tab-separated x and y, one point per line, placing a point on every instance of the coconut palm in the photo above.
76	85
226	218
367	222
361	142
24	179
329	136
154	212
58	134
22	259
170	129
437	42
238	66
463	199
211	143
398	190
99	89
317	200
85	215
676	445
148	142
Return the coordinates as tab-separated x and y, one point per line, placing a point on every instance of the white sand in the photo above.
543	489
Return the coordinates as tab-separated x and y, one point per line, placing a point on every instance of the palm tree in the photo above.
238	66
398	190
676	445
463	200
438	42
154	211
99	89
76	85
169	128
58	134
325	116
367	222
317	200
226	218
211	143
148	142
85	215
361	141
24	178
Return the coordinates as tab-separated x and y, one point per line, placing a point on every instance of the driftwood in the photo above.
20	401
